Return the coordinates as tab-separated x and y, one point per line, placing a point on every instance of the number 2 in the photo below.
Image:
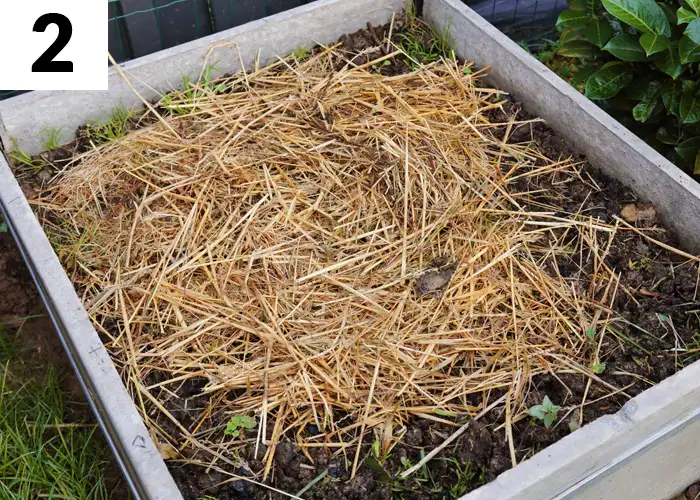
46	63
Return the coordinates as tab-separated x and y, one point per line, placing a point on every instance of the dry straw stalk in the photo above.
266	262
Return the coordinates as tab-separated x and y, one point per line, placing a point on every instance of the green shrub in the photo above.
638	59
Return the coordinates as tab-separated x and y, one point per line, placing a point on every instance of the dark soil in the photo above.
27	323
659	282
692	492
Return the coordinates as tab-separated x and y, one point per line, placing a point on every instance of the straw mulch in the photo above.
270	241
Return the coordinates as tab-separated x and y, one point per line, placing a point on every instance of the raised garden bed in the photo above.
342	249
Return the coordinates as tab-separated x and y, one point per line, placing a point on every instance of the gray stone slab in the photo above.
112	405
607	144
24	117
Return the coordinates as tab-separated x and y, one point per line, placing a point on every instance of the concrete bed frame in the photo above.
646	451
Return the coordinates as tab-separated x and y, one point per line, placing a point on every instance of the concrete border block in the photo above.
646	451
114	409
607	144
26	116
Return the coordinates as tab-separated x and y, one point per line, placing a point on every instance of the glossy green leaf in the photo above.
643	15
571	34
685	15
688	50
583	74
689	85
573	19
549	419
537	411
653	43
598	32
689	111
592	6
647	109
578	48
695	5
608	81
375	466
688	149
693	30
669	61
651	103
664	136
671	95
626	48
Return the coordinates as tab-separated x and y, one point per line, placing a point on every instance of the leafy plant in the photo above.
546	412
238	423
638	59
562	61
3	225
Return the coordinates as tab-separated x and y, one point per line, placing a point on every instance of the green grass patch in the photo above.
42	456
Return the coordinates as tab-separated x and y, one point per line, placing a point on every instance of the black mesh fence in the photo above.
522	20
141	27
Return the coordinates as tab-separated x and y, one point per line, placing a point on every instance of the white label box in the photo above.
53	44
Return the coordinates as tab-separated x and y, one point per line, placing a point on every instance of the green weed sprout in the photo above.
546	412
22	158
301	54
237	423
182	103
114	126
3	225
598	367
52	138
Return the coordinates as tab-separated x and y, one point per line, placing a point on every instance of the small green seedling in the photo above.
643	264
3	226
113	126
598	367
662	317
237	423
52	138
590	333
546	412
301	54
22	158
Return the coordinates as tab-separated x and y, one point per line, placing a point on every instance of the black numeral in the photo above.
45	63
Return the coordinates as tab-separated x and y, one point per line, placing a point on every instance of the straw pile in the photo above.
271	240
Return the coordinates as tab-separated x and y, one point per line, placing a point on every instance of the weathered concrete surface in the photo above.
646	451
24	117
112	405
606	143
